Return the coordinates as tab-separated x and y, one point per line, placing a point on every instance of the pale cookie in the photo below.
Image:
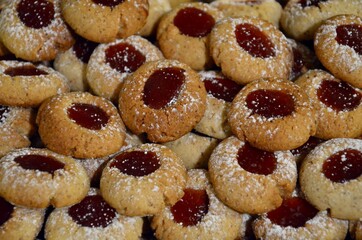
157	8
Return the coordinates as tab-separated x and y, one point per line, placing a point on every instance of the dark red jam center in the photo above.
6	209
137	163
351	36
192	207
26	70
163	86
270	103
222	88
343	166
83	49
254	41
92	211
194	22
256	161
307	147
339	96
124	57
308	3
36	14
39	162
88	116
293	212
108	3
3	112
298	62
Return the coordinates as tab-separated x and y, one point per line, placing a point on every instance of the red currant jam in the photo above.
39	162
7	210
88	116
308	3
108	3
26	70
350	35
222	88
83	49
36	14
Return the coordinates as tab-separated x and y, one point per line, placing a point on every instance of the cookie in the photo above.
355	229
301	152
157	8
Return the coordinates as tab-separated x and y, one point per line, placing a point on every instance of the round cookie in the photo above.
105	21
111	63
34	30
240	44
331	177
199	214
143	180
80	125
183	34
27	85
250	180
338	45
37	178
164	99
273	115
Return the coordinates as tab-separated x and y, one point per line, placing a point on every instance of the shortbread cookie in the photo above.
273	115
199	214
183	34
80	125
251	180
105	21
331	177
112	62
337	103
157	8
37	178
164	99
240	44
143	180
34	30
338	45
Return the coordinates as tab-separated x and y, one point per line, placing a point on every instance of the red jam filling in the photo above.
26	70
350	35
108	3
36	14
7	210
293	212
308	3
92	212
3	112
222	88
83	49
256	161
339	96
137	163
254	41
124	57
307	146
163	86
343	166
191	208
270	103
39	162
88	116
194	22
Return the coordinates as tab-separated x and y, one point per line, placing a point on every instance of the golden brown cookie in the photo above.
80	125
37	178
331	177
34	30
157	8
143	180
238	45
164	99
105	21
338	45
251	180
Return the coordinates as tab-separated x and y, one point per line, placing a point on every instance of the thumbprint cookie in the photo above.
80	125
240	44
157	8
34	30
143	180
38	178
164	99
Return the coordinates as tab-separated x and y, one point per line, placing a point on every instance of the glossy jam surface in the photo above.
88	116
307	147
108	3
137	163
83	49
270	103
192	207
6	209
163	86
26	70
92	211
256	161
222	88
4	110
254	41
194	22
350	35
343	166
293	212
339	96
39	162
36	14
124	57
308	3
